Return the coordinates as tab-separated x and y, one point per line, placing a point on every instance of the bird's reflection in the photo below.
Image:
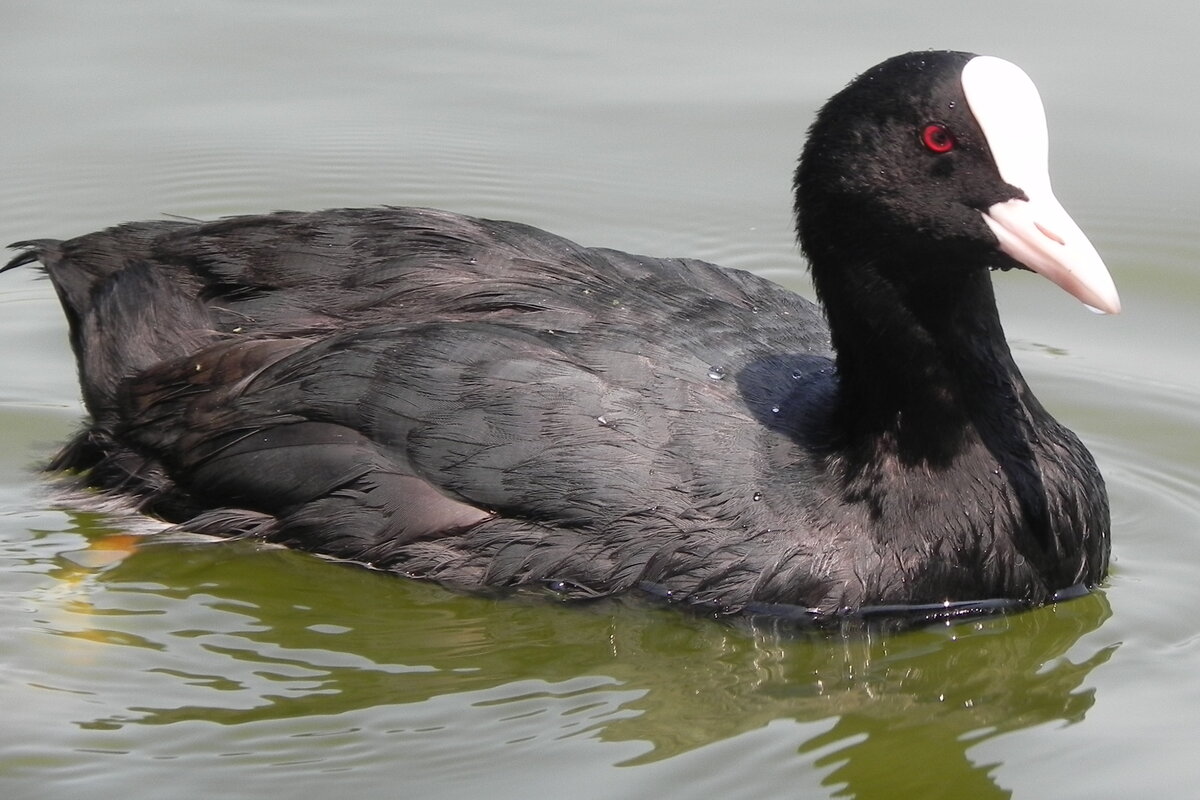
903	708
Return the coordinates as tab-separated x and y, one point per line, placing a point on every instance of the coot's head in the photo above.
931	166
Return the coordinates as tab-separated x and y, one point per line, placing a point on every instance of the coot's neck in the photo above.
931	409
923	368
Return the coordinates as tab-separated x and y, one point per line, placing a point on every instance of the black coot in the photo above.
483	403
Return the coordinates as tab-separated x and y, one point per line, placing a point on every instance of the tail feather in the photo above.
43	250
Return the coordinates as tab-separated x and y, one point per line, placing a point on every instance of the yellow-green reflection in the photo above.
273	634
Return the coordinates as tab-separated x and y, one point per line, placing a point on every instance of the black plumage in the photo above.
483	403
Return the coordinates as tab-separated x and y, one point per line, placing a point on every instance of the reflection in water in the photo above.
231	633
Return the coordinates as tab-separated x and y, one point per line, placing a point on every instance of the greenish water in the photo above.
160	667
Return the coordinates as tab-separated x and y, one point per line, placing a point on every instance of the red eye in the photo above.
937	138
